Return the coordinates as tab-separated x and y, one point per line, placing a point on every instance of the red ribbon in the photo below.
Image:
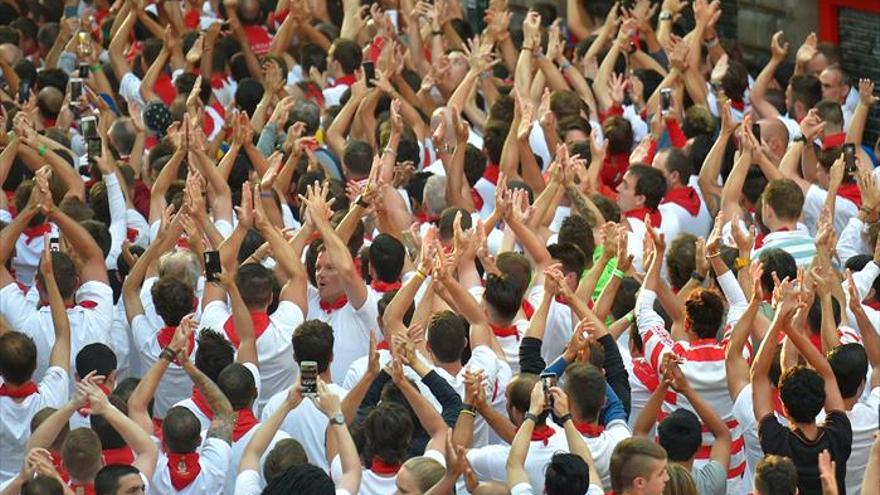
132	234
833	140
184	469
502	331
261	323
739	105
31	233
639	214
686	197
20	392
381	467
562	300
330	307
348	80
122	455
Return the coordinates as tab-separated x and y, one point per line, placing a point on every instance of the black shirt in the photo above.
835	436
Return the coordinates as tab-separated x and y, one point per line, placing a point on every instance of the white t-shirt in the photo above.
238	450
560	325
359	368
526	489
249	482
863	419
203	418
698	225
306	424
15	419
814	201
509	344
490	462
374	484
351	329
602	446
214	462
744	413
274	346
27	256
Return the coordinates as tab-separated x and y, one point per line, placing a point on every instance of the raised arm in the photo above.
250	458
576	443
860	116
758	93
519	448
721	446
93	267
224	417
708	178
762	392
60	355
736	365
328	403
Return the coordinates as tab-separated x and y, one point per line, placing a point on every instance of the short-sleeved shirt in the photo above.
526	489
835	435
351	329
711	478
214	462
249	482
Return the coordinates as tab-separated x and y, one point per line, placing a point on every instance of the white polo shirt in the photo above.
15	419
602	446
274	345
176	384
351	329
203	418
90	320
374	484
306	424
238	449
699	224
863	417
490	462
214	462
814	202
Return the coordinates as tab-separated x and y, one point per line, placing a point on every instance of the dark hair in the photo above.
107	479
447	336
570	256
387	256
348	54
578	231
81	454
110	438
704	312
776	475
97	357
681	259
286	453
735	81
42	485
313	341
494	136
18	357
238	385
754	185
386	299
254	281
516	268
304	478
180	430
566	474
213	354
358	157
805	88
504	296
680	434
849	362
173	300
447	221
631	459
474	163
388	431
814	316
248	95
580	377
677	160
619	135
802	391
779	261
650	183
65	274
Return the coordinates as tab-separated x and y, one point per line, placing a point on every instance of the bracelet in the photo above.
422	274
484	75
713	255
167	353
665	16
742	262
564	66
529	48
696	276
267	194
712	42
617	272
469	407
564	419
436	33
467	411
531	416
630	317
41	150
390	150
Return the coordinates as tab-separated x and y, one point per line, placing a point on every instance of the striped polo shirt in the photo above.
799	244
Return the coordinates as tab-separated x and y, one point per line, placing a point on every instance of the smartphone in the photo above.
24	90
212	265
665	99
308	377
88	126
548	380
93	147
369	73
85	43
849	159
83	71
756	131
76	89
54	244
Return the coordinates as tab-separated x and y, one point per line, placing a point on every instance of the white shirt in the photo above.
214	462
560	325
249	482
490	462
88	325
698	225
274	346
744	413
814	201
372	483
526	489
306	424
176	384
351	329
669	227
359	368
27	256
204	420
602	447
863	418
15	419
509	344
238	450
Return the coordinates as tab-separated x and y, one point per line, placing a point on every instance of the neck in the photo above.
779	225
688	464
326	376
333	297
451	368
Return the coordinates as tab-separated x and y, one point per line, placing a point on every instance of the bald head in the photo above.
181	265
49	101
775	135
122	135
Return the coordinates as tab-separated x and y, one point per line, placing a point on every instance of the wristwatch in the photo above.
361	202
665	16
337	419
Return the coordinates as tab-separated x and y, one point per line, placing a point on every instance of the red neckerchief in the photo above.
739	105
191	19
385	287
59	466
542	433
381	467
165	89
313	92
88	405
589	429
613	167
330	307
639	214
37	231
244	421
759	240
851	192
166	333
424	218
478	200
561	300
528	309
199	400
348	80
261	323
502	331
132	234
84	489
873	304
777	402
25	390
686	197
184	469
122	455
833	140
613	111
383	346
492	172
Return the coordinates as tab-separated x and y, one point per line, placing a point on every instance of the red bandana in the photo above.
261	323
562	300
166	333
492	172
31	233
330	307
639	214
184	469
833	140
381	467
122	455
502	332
851	192
85	489
478	200
26	390
199	399
383	346
132	234
686	197
613	168
244	421
738	105
589	429
528	309
542	433
424	218
385	287
347	80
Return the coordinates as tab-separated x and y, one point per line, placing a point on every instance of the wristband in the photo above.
420	273
531	416
617	273
696	276
712	42
800	139
715	255
436	33
168	354
630	317
96	68
390	150
41	150
665	16
484	75
360	202
564	419
742	262
564	66
469	407
267	194
528	48
467	411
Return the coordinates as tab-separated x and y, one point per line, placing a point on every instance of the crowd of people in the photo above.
431	247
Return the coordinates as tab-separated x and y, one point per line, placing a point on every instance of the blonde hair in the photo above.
681	482
426	471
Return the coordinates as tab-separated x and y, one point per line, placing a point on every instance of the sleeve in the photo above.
814	200
372	397
255	372
530	360
287	316
54	387
712	478
557	366
248	483
136	221
655	338
450	401
214	458
101	295
266	141
614	408
117	219
864	279
144	336
615	372
215	314
837	422
15	308
523	489
130	89
489	462
851	242
772	435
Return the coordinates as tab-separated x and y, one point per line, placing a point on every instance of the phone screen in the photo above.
54	244
309	377
83	71
756	130
549	381
369	73
94	148
665	99
24	91
88	127
212	265
76	89
849	158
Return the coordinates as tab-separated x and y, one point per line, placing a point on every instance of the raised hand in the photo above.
807	50
778	48
866	92
326	401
